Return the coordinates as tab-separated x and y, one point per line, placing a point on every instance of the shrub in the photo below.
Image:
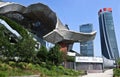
55	55
43	64
22	65
3	74
116	72
29	66
42	54
70	58
61	67
5	67
12	63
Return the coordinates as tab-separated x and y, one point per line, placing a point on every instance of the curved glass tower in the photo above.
107	34
86	48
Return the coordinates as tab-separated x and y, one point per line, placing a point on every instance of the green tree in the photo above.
70	58
118	63
6	48
42	54
26	49
55	55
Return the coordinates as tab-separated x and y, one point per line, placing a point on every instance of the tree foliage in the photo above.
16	26
26	49
23	49
6	48
42	54
55	55
118	62
70	58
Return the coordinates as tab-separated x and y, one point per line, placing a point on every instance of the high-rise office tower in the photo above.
107	34
86	48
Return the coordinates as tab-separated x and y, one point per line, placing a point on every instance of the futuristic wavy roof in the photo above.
42	21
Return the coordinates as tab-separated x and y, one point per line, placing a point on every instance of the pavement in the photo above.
107	73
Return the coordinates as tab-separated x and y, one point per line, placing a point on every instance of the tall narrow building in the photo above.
107	34
86	48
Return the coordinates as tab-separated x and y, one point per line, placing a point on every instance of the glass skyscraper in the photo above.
86	48
107	34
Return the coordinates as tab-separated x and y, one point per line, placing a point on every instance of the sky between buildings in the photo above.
78	12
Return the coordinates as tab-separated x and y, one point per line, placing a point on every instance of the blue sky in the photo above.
78	12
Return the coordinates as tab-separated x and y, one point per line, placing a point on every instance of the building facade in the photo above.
86	48
89	64
107	34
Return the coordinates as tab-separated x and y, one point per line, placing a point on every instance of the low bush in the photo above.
22	65
22	68
116	72
12	63
3	74
4	67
